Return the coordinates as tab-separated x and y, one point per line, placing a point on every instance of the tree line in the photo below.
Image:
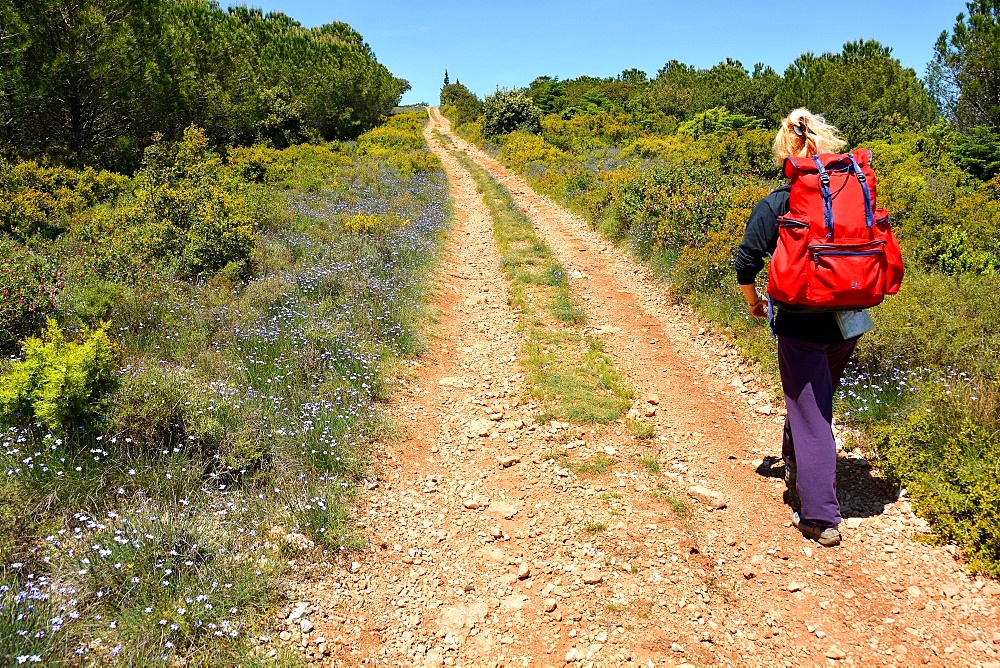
95	80
863	90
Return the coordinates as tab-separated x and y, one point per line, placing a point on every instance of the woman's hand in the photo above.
757	304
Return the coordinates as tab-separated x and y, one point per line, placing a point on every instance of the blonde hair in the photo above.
804	133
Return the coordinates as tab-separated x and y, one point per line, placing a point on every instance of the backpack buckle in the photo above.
824	179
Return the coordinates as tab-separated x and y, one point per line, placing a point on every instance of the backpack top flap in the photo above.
833	190
795	165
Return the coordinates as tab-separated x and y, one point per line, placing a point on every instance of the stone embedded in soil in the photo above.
550	605
523	571
480	427
504	509
592	576
509	460
708	496
297	542
835	653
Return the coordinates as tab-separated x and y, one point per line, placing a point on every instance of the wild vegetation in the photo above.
202	303
195	357
93	82
672	165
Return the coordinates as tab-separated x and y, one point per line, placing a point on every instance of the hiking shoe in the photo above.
790	475
826	536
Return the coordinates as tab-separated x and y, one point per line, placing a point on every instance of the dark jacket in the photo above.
760	240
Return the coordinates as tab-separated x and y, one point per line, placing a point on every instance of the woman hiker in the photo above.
812	352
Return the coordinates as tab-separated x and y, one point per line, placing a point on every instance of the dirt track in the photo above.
483	552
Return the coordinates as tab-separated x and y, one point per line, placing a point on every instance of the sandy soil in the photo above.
484	552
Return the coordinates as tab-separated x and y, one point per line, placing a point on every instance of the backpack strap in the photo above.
869	211
824	188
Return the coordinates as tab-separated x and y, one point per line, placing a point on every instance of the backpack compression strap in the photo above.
824	188
869	212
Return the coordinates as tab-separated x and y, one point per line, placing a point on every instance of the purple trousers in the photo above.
809	374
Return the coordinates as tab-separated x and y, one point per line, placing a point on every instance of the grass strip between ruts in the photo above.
567	371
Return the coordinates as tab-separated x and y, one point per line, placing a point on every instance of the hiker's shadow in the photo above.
859	491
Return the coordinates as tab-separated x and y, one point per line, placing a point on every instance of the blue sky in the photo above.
487	45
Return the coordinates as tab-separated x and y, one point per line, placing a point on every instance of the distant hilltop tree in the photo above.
464	103
446	77
506	111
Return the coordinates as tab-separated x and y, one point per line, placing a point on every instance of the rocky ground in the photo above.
485	550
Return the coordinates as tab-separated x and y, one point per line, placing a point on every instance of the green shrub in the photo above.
40	200
460	104
506	111
160	412
90	300
679	205
717	120
938	322
656	147
59	386
400	133
947	455
978	152
748	152
29	284
187	211
257	164
707	267
400	144
948	249
521	149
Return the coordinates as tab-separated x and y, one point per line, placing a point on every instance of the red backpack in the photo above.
835	249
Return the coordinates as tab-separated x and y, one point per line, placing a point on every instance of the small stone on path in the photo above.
509	461
835	653
504	509
707	496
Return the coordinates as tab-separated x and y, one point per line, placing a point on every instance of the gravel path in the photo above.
484	552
